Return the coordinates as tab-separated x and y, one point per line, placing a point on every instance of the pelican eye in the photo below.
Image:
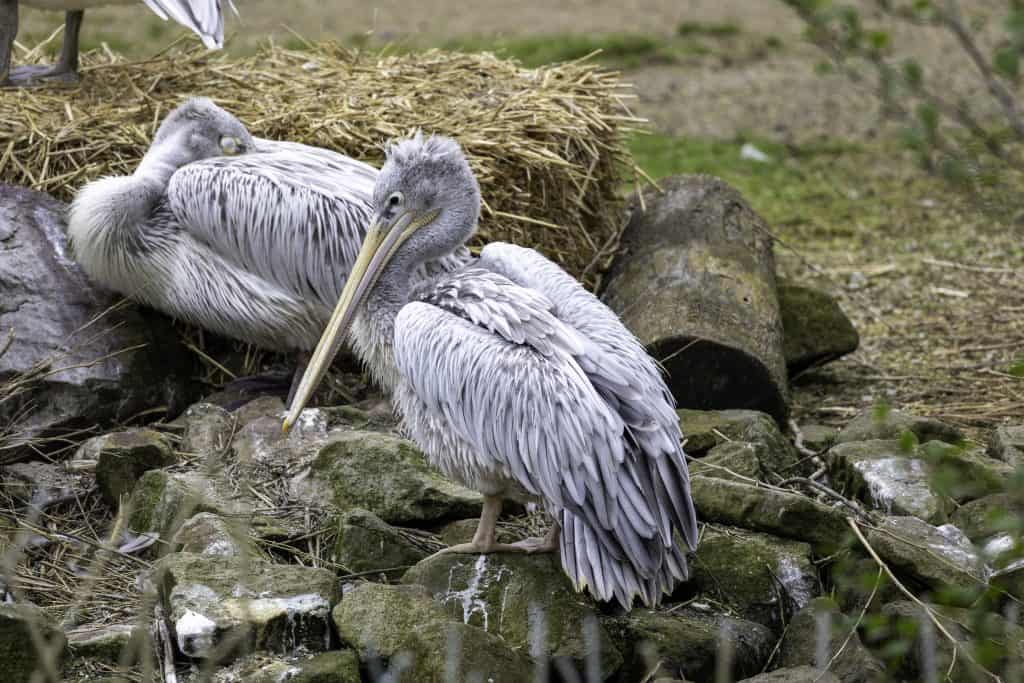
395	199
230	145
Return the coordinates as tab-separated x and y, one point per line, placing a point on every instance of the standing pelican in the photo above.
516	382
204	17
249	238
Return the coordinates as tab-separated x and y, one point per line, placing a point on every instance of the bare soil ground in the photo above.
934	281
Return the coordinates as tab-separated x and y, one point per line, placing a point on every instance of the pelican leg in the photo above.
484	539
548	544
8	30
66	68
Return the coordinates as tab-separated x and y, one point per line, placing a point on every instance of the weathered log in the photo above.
695	281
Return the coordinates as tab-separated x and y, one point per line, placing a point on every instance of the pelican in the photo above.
516	382
204	17
246	237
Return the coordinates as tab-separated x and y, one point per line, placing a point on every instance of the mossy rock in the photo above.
891	424
1007	444
389	477
367	544
987	516
758	508
733	460
335	666
705	429
162	501
208	534
684	644
18	652
123	457
208	429
853	662
796	674
403	626
506	594
759	577
259	605
889	477
965	474
101	642
815	330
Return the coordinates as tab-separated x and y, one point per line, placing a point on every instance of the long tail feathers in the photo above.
204	17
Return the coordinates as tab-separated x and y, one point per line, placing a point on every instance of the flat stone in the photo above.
888	477
964	474
797	674
207	429
18	652
891	424
366	544
759	577
123	457
941	558
335	666
208	534
684	644
515	597
818	437
757	508
266	606
1007	444
100	642
815	329
853	662
403	628
117	360
704	429
733	460
404	490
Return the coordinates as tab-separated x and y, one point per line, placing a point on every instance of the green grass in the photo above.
624	50
715	30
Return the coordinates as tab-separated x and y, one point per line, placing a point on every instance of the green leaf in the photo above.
913	74
1006	62
929	118
878	40
908	441
822	68
880	412
1017	368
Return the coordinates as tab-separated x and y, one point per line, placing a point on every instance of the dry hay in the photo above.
546	144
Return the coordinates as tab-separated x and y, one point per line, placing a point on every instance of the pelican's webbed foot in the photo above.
547	544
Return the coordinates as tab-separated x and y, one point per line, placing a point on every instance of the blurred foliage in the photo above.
956	135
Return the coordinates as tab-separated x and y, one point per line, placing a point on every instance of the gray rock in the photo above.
684	644
888	477
983	518
403	626
335	666
762	509
964	474
264	606
1007	444
733	460
261	444
386	475
704	429
759	577
263	406
462	530
797	674
119	360
123	457
508	594
208	429
40	482
18	624
940	558
853	662
100	642
367	544
815	330
891	424
208	534
818	437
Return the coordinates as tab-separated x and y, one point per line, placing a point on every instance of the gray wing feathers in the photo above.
204	17
293	215
652	481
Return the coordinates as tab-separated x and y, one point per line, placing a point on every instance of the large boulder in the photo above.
517	597
386	475
23	628
759	508
246	602
815	330
366	545
117	360
403	629
848	659
695	281
759	577
685	644
123	457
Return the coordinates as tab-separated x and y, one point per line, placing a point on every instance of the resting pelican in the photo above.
516	382
249	238
204	17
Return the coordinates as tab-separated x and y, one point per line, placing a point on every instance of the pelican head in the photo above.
426	204
199	129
